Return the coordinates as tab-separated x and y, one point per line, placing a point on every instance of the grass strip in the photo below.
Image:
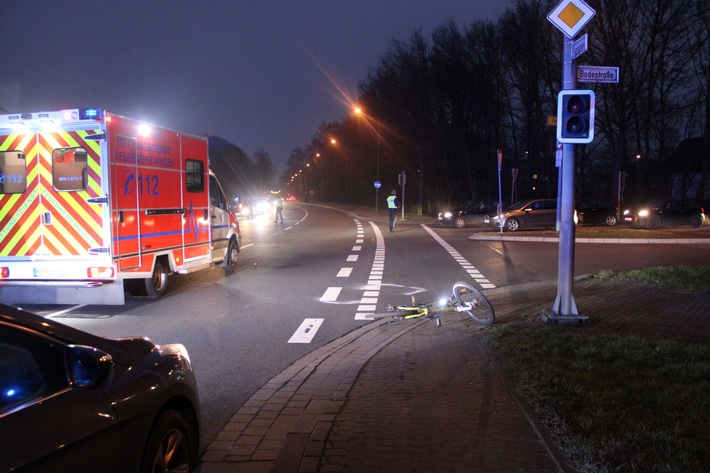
613	403
692	279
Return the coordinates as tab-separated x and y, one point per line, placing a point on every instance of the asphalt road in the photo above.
312	278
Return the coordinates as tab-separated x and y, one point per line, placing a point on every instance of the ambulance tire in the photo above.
156	286
232	254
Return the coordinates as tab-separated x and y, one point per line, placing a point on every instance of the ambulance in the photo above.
94	204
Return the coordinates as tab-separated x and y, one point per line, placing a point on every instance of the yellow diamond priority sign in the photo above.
570	16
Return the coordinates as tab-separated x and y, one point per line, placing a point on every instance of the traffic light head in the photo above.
575	116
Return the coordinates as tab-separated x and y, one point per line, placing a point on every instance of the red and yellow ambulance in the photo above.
93	204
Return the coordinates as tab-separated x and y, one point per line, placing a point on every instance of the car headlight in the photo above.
448	214
643	213
627	212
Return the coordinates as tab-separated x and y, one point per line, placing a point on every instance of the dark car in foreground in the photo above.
71	401
467	213
526	213
595	212
666	212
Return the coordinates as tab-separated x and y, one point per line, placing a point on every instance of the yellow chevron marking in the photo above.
9	200
69	220
24	233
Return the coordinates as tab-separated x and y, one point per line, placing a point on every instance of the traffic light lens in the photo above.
577	104
576	125
575	116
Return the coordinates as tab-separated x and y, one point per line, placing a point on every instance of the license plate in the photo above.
485	220
48	272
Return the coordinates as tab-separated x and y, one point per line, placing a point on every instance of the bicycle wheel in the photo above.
481	310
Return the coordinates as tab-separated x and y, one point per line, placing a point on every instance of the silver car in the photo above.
71	401
526	213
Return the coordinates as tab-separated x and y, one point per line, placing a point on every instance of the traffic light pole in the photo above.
564	309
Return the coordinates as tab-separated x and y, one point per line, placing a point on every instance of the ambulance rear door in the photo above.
53	200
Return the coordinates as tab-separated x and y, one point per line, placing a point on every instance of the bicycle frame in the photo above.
454	303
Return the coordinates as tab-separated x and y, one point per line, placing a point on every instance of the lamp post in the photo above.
358	111
334	142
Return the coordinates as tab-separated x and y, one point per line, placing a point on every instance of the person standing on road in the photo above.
279	210
392	206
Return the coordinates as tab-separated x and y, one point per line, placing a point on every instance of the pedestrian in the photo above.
279	210
392	206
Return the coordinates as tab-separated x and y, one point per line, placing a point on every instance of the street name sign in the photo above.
605	74
570	16
580	46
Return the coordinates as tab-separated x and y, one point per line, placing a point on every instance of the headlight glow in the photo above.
643	213
448	214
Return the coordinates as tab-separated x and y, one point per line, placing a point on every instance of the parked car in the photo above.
526	213
595	212
72	401
666	212
467	213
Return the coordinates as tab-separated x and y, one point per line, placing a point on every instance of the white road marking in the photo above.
344	273
352	258
371	294
331	294
470	269
306	331
62	312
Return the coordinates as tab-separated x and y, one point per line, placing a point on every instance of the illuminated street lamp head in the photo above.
357	110
333	141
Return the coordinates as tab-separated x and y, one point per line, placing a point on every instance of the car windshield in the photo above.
520	205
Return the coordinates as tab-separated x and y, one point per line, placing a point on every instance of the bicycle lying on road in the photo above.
464	299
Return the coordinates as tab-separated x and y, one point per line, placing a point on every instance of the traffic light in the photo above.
575	116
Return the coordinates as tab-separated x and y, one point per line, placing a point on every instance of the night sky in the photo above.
261	74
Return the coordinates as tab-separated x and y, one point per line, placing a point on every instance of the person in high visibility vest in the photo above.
279	209
392	206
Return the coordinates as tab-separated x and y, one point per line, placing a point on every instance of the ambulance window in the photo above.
69	169
194	176
217	197
13	172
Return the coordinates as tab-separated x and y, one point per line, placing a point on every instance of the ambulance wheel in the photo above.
155	287
232	256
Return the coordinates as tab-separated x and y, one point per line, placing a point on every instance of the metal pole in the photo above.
500	191
404	181
564	307
377	168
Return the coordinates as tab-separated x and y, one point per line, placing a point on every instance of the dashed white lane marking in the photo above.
331	294
371	294
470	269
352	258
306	332
344	273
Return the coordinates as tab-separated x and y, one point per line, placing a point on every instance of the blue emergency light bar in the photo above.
91	114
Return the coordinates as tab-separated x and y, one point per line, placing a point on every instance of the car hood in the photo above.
126	351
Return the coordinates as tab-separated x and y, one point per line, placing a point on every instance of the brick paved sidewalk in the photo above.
411	396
